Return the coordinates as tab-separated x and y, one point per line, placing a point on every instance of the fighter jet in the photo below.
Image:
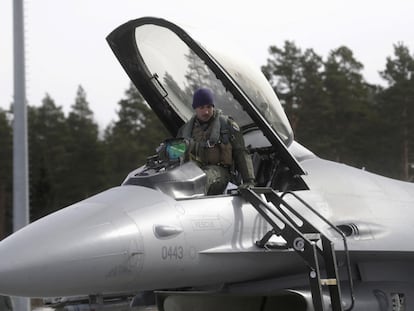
312	234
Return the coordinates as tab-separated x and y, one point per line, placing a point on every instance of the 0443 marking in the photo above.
172	252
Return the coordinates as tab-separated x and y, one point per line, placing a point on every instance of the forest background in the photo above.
333	111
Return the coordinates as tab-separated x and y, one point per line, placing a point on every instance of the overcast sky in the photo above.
65	39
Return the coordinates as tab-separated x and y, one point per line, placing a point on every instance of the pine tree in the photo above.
284	72
297	78
48	158
310	128
85	151
6	147
397	111
330	106
349	106
132	138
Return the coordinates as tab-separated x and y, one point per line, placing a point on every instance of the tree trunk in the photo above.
405	144
2	211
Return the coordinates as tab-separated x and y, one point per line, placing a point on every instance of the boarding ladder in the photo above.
303	237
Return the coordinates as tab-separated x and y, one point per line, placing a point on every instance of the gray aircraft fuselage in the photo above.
133	238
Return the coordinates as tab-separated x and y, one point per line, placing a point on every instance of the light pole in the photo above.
20	157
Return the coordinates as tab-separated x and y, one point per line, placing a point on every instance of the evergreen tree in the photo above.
297	78
397	112
48	158
330	107
85	151
349	107
310	127
132	138
198	75
6	173
284	71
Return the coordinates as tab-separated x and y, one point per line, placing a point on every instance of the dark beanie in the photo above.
202	97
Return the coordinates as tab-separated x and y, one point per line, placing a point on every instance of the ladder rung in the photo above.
329	282
304	239
312	236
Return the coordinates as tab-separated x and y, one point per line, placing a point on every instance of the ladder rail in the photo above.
304	247
327	251
301	237
347	257
269	192
289	230
306	226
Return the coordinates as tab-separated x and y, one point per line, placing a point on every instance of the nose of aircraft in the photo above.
89	247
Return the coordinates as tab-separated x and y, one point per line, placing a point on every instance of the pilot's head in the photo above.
203	103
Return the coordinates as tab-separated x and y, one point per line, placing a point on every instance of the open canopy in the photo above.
167	66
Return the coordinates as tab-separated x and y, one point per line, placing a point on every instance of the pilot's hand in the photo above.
247	184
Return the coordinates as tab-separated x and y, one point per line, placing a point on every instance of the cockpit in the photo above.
170	172
167	66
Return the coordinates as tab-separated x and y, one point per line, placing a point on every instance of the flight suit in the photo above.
6	303
217	146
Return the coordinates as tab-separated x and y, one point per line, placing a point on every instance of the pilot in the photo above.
217	145
6	303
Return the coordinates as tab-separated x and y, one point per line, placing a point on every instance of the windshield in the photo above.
177	72
259	91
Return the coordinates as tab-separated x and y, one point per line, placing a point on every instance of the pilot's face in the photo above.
204	113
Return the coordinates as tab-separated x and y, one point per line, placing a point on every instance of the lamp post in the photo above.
20	158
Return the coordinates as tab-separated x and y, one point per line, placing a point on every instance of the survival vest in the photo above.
212	145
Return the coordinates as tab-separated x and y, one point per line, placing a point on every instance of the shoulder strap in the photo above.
225	129
222	129
215	130
185	130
